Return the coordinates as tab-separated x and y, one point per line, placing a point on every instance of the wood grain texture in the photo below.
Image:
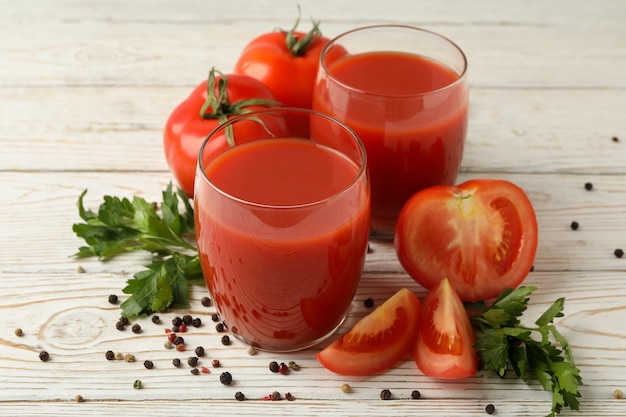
85	89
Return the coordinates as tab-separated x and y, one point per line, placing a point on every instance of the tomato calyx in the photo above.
218	106
299	46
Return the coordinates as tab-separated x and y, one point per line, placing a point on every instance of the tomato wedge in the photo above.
482	235
445	342
377	341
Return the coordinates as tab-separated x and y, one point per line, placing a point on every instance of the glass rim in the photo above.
333	41
280	109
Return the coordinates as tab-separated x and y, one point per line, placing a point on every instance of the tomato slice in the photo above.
445	342
482	235
377	341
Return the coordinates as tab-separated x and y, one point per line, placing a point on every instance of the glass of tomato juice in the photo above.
404	92
282	224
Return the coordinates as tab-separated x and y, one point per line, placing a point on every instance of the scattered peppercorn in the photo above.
225	340
490	409
368	302
197	322
385	394
415	395
44	356
177	321
176	362
80	269
136	328
283	369
178	340
79	398
588	186
251	350
168	345
219	327
195	371
192	361
618	253
113	299
239	396
216	363
206	301
19	332
172	337
532	268
205	370
215	317
182	328
199	351
175	329
119	325
187	319
137	384
574	225
124	320
226	378
180	347
615	139
129	357
109	355
148	364
618	394
275	396
119	356
289	397
293	365
346	388
156	319
274	366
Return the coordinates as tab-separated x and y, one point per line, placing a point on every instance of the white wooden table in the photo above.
85	89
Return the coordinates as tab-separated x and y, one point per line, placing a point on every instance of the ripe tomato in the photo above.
445	342
193	119
378	341
286	62
481	235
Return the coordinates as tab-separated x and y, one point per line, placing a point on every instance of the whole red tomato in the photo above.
211	103
285	61
481	235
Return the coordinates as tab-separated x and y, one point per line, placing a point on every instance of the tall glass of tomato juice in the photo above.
404	92
282	223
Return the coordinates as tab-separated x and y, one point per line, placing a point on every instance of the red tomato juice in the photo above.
282	277
410	115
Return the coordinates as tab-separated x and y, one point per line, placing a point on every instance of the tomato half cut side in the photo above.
445	342
377	341
482	235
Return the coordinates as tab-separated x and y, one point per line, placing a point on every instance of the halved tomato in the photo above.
377	341
481	235
445	342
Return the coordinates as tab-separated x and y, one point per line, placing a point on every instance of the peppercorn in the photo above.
226	378
274	366
369	302
119	356
148	364
192	361
199	351
197	322
124	320
615	139
289	397
119	325
385	394
80	269
346	388
176	362
283	369
175	329
490	409
618	253
113	299
187	319
178	340
79	398
215	317
136	328
177	321
618	394
195	371
275	396
293	365
182	328
129	357
137	384
172	337
219	327
109	355
205	370
239	396
206	301
588	186
44	356
415	395
168	345
19	332
251	350
156	319
574	225
216	363
225	340
180	347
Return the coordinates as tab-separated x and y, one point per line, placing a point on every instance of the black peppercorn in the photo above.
385	394
225	340
148	364
195	371
124	320
44	356
110	355
216	363
219	327
197	322
136	328
206	301
239	396
179	341
119	325
177	321
187	319
215	317
369	303
226	378
176	362
175	329
274	366
490	409
192	361
156	319
574	225
199	351
113	299
415	395
615	139
618	253
588	186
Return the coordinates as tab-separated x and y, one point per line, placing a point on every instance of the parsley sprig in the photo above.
122	225
503	343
